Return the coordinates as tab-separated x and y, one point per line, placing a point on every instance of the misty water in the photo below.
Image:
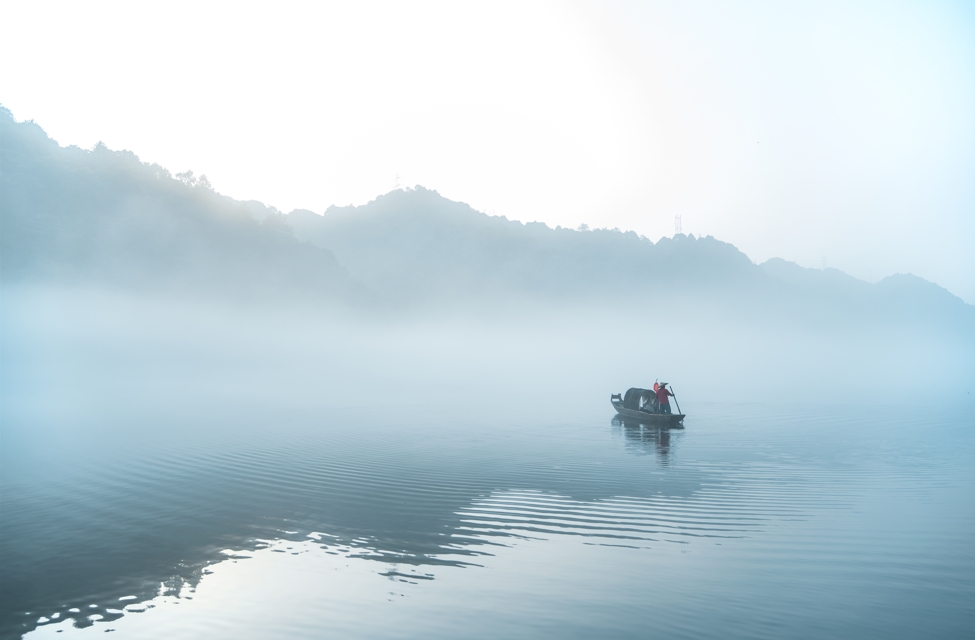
393	420
162	489
384	411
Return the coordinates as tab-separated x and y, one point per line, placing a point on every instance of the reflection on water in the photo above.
773	526
648	438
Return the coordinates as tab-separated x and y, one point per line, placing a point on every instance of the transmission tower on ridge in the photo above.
676	225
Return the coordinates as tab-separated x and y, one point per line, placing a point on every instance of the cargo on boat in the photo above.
640	405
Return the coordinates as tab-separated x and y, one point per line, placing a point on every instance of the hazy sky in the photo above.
836	133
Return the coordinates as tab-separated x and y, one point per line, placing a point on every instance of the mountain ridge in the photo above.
401	244
99	216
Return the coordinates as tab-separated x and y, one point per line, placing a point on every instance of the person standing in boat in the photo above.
662	397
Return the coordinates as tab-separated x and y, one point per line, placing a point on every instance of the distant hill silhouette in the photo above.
411	243
102	217
414	244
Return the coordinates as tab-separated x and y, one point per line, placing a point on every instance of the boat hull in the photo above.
635	415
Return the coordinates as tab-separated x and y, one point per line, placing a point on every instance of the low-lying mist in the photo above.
69	353
128	292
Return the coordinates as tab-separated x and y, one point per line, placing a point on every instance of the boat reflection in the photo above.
648	439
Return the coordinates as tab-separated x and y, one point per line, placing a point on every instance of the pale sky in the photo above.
836	133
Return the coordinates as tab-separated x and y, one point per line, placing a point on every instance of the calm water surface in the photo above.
759	522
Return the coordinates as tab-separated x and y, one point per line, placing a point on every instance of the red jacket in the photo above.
662	394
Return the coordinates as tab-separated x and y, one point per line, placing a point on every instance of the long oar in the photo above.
675	400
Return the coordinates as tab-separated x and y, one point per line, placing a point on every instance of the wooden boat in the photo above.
639	405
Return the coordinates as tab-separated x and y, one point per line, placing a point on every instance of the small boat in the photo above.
639	405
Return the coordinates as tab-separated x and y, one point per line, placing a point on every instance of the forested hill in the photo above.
103	218
414	244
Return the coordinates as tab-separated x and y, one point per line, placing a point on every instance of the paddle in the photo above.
675	400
